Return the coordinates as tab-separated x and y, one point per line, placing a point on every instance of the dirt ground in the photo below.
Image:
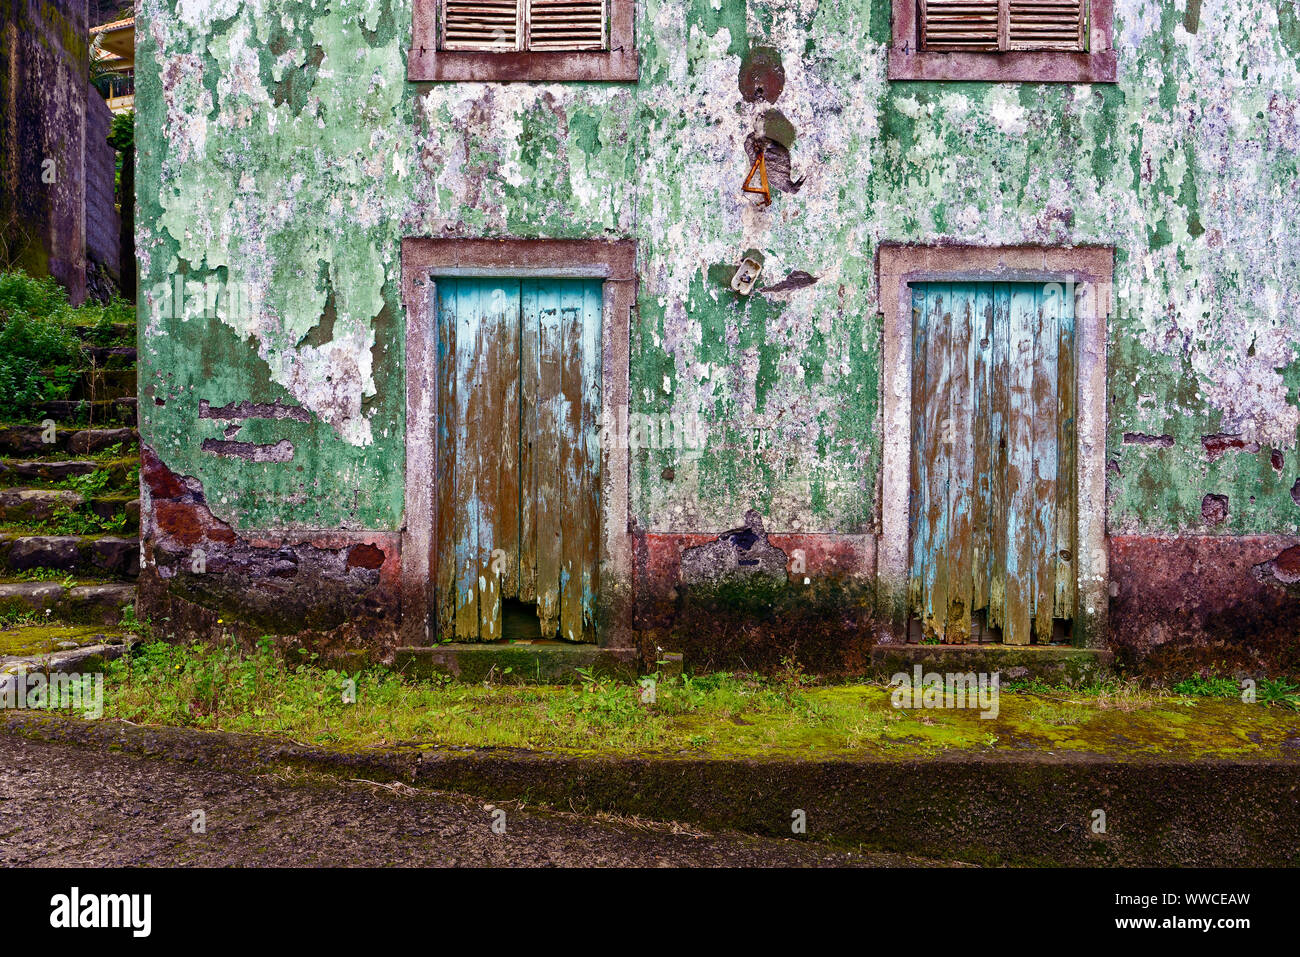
63	805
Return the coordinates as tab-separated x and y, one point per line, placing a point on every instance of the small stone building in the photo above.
753	329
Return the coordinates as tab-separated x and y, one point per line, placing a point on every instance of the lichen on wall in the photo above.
283	154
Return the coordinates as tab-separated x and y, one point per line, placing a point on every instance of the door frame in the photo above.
1091	269
423	260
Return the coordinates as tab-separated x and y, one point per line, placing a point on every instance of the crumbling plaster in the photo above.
283	150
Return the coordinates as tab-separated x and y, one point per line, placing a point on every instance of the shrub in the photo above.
40	353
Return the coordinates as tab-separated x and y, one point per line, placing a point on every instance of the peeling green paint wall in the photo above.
282	150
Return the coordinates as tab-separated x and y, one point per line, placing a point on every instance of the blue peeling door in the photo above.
518	455
993	512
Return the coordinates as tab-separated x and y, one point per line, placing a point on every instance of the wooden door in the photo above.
518	455
992	485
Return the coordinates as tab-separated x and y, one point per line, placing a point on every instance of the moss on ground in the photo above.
718	715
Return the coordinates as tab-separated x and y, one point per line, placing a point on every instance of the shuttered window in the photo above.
508	26
996	26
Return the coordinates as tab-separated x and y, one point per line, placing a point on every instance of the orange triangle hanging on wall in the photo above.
759	167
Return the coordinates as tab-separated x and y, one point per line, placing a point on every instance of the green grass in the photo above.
723	715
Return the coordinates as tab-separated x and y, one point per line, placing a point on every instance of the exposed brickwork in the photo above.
333	592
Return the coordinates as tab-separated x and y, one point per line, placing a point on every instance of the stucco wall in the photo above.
283	154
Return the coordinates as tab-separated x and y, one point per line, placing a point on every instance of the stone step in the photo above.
120	411
35	504
23	472
103	384
99	603
121	330
23	506
109	506
102	355
27	441
110	555
25	642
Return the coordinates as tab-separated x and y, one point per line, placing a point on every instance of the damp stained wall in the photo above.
283	155
44	90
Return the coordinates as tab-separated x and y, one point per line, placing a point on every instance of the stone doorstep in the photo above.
530	662
1012	662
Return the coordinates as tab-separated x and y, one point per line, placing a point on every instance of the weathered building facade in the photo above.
1020	363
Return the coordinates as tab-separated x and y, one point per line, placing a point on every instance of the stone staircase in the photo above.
70	508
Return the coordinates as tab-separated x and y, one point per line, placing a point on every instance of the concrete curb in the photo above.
990	809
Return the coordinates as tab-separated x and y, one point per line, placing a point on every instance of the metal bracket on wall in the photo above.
760	167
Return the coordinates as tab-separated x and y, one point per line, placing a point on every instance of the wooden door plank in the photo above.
999	396
487	452
1066	510
496	380
546	456
508	475
467	462
449	415
1020	466
529	385
982	429
958	436
917	507
935	464
571	463
593	311
1045	459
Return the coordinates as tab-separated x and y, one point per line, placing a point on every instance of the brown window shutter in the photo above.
959	25
567	25
485	25
1046	25
992	26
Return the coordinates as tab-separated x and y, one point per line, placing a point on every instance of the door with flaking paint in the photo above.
518	457
993	498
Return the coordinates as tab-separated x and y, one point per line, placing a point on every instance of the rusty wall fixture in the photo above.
759	166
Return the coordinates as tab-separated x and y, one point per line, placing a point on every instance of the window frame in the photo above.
427	63
907	61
